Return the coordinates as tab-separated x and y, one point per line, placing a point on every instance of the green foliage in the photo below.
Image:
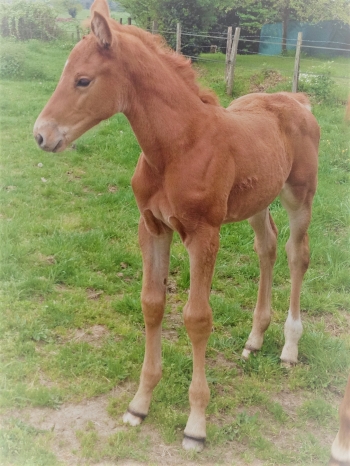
195	16
254	13
26	20
36	61
320	86
12	62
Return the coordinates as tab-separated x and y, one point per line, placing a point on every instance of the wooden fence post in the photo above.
154	27
232	61
121	21
228	49
129	21
178	38
297	63
78	33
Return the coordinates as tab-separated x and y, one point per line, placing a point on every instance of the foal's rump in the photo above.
276	144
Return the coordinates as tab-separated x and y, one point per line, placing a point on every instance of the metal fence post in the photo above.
232	61
297	63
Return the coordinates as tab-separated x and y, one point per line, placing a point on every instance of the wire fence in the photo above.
215	47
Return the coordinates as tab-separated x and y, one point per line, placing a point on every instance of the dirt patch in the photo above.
336	325
270	79
173	320
93	294
94	335
46	259
64	422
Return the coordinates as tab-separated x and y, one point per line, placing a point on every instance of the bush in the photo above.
319	84
23	20
11	62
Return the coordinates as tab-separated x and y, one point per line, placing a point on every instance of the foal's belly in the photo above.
246	200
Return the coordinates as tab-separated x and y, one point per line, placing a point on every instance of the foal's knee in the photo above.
198	321
153	308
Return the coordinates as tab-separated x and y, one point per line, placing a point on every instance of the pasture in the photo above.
72	338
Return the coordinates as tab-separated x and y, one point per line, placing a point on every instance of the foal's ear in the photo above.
101	6
101	29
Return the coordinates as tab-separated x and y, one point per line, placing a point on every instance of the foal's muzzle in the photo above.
49	136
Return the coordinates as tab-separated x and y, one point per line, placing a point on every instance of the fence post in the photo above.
228	49
297	63
178	38
232	61
120	20
154	27
78	33
129	21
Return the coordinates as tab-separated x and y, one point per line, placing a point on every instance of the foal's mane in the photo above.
177	62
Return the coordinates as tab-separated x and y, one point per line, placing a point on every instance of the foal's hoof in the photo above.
193	443
133	418
288	364
247	352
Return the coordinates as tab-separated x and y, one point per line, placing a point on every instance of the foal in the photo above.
341	445
201	166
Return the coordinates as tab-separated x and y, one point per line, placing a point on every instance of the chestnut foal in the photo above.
341	445
201	166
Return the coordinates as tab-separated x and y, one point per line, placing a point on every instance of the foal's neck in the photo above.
164	112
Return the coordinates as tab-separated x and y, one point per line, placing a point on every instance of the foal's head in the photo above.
90	89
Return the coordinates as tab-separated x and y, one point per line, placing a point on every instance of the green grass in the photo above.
70	263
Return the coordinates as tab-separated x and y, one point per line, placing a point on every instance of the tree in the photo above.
194	16
255	13
25	20
70	6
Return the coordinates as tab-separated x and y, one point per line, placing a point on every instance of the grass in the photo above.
71	322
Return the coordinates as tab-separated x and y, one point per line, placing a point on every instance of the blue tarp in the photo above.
326	38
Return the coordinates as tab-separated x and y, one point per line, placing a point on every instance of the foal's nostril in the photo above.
39	139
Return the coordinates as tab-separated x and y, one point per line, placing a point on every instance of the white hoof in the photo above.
131	419
192	444
246	353
288	364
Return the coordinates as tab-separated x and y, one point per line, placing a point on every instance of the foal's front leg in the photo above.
202	248
155	254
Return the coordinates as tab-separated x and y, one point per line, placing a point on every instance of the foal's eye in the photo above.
83	82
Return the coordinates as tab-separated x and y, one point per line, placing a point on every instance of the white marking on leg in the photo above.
129	418
293	329
340	452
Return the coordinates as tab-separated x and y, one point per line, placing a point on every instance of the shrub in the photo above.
319	84
23	20
11	62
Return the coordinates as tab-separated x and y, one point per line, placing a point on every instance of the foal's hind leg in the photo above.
265	246
155	253
297	202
